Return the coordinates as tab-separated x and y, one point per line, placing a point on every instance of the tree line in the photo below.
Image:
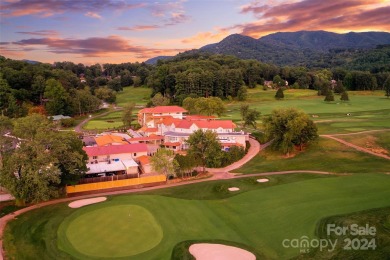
71	89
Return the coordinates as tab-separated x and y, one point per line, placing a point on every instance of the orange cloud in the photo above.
89	47
339	16
207	37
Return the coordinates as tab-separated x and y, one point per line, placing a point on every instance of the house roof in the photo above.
129	163
199	117
109	139
152	137
162	109
58	117
115	149
105	167
215	124
144	159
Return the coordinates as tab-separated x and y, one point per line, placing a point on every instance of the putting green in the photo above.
115	231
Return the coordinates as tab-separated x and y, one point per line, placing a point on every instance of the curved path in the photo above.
4	220
218	174
359	148
79	127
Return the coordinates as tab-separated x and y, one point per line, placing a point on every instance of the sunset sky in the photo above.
116	31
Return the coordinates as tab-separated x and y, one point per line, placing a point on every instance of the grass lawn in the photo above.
109	121
326	155
369	110
139	96
260	217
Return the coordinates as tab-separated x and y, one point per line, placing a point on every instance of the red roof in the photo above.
152	137
214	124
144	159
163	109
115	149
199	117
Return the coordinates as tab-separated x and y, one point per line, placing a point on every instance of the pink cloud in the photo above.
92	47
317	15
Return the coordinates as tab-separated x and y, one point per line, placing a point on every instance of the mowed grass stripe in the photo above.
261	218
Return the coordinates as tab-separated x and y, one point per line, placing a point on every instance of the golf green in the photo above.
114	231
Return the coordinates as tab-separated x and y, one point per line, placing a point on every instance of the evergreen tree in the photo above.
387	87
344	96
279	94
329	96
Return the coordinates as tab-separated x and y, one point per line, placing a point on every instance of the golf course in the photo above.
161	223
148	225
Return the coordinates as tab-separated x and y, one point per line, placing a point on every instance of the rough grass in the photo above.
374	140
259	218
326	155
377	218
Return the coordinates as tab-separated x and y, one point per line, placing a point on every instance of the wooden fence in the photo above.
116	184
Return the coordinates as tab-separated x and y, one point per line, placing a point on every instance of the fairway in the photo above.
260	216
113	231
367	110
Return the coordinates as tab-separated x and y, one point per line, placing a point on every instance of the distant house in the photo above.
57	118
148	115
114	159
176	132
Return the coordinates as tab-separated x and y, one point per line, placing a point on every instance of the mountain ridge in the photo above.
299	48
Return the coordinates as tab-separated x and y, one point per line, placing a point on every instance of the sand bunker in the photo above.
81	203
205	251
233	189
262	180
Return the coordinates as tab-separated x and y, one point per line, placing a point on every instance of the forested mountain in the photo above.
154	60
314	49
324	41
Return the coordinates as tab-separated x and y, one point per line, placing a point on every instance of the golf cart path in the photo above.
79	127
359	148
218	174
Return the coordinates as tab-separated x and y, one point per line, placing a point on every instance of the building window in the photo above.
94	157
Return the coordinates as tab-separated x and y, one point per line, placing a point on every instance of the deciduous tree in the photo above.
163	161
289	127
43	161
127	114
205	148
